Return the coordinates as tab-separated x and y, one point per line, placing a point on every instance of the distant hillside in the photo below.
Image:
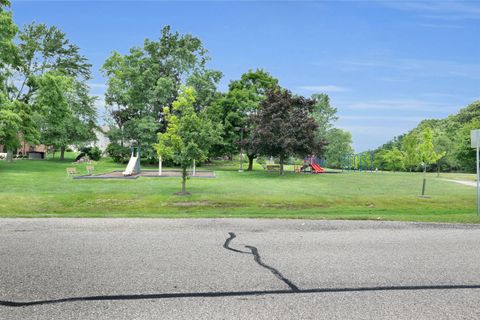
451	135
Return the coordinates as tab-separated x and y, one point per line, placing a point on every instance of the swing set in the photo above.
361	162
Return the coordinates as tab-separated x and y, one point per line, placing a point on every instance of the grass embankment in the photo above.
42	189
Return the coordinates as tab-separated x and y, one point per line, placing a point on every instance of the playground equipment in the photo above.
133	166
313	163
357	162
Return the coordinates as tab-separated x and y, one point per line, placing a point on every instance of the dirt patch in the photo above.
118	174
112	202
191	204
293	206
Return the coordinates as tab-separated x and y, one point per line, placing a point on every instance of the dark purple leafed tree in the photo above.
283	126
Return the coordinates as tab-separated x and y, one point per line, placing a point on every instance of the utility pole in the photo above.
241	150
475	143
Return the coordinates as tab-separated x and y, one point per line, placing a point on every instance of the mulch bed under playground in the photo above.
118	174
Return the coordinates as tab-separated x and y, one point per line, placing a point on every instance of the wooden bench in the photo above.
71	171
273	167
90	169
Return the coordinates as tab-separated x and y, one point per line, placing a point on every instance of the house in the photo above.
38	151
102	140
35	151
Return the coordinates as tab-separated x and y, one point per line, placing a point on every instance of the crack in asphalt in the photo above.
226	245
232	294
258	259
293	289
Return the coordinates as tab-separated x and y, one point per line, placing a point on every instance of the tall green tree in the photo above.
12	114
84	120
189	135
410	151
25	57
323	113
148	79
43	49
234	111
444	144
52	108
65	111
16	122
8	50
339	143
394	159
426	149
464	153
283	126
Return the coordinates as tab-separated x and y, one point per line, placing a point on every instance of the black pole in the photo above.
241	150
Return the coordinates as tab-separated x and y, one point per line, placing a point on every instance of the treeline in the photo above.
44	96
154	88
151	89
447	142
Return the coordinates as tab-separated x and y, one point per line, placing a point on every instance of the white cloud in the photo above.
324	88
367	137
416	67
441	26
441	95
379	130
400	104
435	9
383	118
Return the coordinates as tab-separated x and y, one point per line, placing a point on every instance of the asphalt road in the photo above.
237	269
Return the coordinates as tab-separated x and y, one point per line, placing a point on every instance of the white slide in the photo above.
133	166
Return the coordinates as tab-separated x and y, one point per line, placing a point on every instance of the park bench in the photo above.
272	167
71	171
90	169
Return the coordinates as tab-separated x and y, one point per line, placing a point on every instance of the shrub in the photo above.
94	153
82	157
118	153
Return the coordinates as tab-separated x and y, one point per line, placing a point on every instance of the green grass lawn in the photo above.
42	189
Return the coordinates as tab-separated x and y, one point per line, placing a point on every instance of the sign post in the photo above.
475	143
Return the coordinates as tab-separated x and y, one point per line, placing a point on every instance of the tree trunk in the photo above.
281	165
62	153
9	155
184	180
424	179
251	157
121	136
160	165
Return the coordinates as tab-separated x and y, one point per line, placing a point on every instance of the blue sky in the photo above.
385	64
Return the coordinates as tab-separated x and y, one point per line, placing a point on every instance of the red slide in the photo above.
316	168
